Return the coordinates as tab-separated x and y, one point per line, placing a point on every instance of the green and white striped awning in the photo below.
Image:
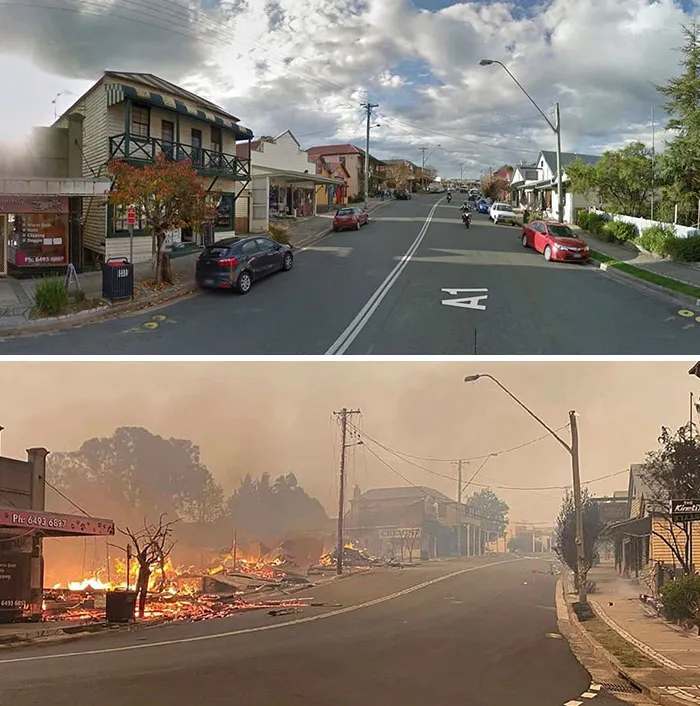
119	92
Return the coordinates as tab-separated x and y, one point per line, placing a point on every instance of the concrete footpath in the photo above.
17	295
675	652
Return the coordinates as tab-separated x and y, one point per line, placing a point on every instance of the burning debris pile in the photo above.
185	593
352	556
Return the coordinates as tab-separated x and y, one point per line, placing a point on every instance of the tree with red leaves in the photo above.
168	194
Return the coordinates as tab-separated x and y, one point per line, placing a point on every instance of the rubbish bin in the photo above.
117	279
121	606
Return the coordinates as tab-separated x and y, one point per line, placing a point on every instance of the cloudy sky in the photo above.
276	417
306	65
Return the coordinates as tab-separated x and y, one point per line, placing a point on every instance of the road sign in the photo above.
131	216
685	510
470	302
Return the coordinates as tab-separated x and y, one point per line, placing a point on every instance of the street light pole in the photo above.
555	127
573	451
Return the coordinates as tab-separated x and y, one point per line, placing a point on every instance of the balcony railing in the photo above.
144	150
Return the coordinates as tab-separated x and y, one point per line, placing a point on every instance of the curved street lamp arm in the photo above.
528	410
530	98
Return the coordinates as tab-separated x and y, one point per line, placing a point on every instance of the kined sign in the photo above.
685	510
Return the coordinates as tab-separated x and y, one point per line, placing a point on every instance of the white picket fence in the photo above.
644	223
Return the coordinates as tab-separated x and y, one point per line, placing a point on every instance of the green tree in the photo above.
564	541
488	505
622	179
680	163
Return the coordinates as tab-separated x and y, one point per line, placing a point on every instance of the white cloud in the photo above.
307	64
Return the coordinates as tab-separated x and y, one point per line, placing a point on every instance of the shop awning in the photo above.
55	187
53	524
119	92
295	177
635	526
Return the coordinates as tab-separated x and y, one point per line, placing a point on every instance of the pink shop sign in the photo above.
33	204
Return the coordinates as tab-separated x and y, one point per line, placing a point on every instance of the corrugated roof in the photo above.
325	150
567	158
404	492
153	81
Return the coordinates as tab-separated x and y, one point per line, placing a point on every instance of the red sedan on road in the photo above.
555	241
350	217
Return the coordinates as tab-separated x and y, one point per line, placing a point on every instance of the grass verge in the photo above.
659	280
628	655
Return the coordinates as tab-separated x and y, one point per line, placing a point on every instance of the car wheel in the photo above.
335	230
287	262
244	282
523	240
548	253
358	225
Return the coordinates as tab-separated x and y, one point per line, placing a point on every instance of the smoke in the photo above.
276	417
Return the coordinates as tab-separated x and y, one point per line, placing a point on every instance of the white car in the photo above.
503	213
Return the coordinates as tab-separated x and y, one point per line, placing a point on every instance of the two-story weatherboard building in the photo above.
133	117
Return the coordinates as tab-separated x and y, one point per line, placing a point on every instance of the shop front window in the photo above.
38	239
119	220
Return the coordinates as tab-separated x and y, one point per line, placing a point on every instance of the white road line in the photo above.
262	628
589	695
344	341
573	703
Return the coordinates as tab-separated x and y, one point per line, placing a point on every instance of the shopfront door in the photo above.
3	245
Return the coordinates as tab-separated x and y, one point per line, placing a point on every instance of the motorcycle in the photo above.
449	198
466	218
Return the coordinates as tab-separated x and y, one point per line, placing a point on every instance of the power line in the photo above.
486	485
500	452
65	497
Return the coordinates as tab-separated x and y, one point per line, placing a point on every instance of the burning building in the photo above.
24	524
413	523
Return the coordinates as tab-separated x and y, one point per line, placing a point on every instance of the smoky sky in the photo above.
276	417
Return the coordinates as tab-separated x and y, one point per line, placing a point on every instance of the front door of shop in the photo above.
3	245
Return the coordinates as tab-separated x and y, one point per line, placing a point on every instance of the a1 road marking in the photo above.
471	302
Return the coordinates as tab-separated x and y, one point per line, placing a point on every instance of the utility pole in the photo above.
422	168
459	507
343	414
578	506
235	548
560	185
368	109
653	157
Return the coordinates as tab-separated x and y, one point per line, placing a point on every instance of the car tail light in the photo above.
228	262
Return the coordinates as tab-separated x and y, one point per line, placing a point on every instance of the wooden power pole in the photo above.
343	414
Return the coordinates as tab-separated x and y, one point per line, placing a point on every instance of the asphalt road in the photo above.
427	635
381	291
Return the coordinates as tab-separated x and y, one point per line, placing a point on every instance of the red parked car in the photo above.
350	217
556	241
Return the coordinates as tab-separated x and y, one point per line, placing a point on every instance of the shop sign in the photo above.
685	510
401	533
33	204
39	240
56	522
15	581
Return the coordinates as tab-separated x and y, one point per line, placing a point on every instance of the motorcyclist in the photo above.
466	207
449	197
